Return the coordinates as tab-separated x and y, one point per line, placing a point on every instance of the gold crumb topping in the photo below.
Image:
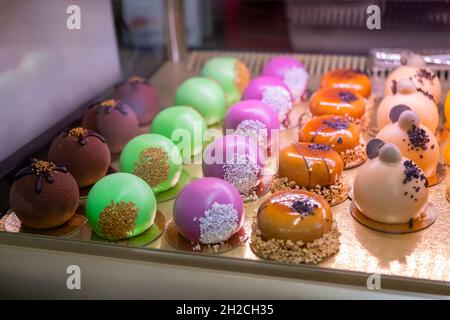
298	252
333	194
78	132
118	219
41	166
152	166
136	79
109	103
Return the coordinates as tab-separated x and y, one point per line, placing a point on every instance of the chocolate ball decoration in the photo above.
141	97
184	126
231	73
114	120
44	195
120	206
204	95
155	159
83	152
208	219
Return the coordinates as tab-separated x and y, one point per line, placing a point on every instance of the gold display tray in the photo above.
420	256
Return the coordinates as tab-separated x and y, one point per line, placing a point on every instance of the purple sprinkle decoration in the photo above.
424	73
347	96
426	94
412	171
304	207
319	147
418	137
337	123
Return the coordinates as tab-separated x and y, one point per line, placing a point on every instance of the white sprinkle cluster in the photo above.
253	128
219	223
279	99
242	171
296	79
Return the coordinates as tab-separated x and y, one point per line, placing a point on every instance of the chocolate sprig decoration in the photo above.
42	170
109	105
81	134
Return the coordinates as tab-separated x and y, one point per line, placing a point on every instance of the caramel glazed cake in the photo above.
342	102
295	226
313	167
339	133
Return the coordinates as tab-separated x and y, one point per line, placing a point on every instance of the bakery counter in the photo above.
114	272
413	265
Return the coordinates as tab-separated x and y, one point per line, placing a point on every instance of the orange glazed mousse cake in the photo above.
340	133
295	226
314	167
340	102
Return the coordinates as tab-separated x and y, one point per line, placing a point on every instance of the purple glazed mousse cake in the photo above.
292	72
208	211
251	117
237	159
273	92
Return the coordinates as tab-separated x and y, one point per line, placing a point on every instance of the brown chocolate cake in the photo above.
141	97
114	120
83	152
43	195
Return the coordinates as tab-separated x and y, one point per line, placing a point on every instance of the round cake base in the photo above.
333	194
355	157
147	237
178	242
172	193
9	222
425	220
296	253
260	190
438	176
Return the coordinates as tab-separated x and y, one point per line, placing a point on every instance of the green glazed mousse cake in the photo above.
231	73
154	158
184	126
204	95
120	206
